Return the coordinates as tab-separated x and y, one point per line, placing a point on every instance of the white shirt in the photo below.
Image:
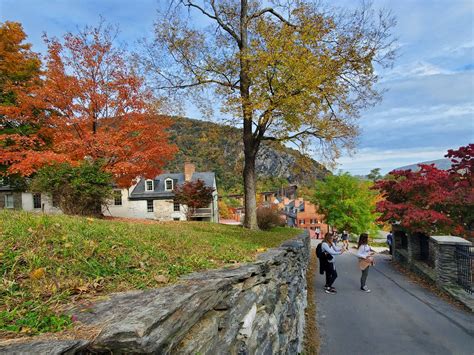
333	250
363	251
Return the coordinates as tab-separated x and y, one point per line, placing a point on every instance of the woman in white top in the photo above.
366	260
330	249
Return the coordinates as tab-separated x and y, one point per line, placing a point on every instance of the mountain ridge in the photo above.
219	148
442	164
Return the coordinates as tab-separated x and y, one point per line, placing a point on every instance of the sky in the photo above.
429	104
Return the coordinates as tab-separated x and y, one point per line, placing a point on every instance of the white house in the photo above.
147	199
10	198
154	198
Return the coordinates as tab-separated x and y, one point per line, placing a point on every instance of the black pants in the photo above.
363	278
391	249
331	274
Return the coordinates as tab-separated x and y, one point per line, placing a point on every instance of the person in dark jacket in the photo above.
330	250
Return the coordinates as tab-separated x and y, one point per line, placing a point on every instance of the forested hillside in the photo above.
218	148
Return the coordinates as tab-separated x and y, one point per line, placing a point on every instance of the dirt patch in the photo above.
311	336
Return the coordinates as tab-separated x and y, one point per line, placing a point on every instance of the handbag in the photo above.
365	263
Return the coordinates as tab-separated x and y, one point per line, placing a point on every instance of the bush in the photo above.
78	190
267	218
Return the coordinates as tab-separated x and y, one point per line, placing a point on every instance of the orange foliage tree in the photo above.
90	105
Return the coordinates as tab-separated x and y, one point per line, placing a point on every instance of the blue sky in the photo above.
429	105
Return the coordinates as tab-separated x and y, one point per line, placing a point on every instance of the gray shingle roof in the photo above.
159	191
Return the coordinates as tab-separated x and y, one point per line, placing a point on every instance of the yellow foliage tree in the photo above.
290	72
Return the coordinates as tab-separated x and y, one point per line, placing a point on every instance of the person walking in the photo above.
390	241
366	260
331	250
345	240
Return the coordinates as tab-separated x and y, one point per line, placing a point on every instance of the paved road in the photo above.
397	317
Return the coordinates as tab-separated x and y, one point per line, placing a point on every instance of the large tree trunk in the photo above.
250	145
250	220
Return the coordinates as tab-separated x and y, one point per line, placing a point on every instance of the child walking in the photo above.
364	253
329	247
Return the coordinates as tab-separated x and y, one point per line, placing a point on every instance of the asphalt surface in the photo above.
397	317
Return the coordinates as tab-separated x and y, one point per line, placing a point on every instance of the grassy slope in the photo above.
49	261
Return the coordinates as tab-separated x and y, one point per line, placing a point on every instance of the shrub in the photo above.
268	217
78	190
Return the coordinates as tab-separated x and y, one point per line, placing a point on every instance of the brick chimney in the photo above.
189	170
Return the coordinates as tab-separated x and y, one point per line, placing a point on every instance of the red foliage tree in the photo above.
90	105
431	200
193	194
461	201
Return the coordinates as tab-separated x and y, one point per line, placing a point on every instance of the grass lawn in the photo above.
48	262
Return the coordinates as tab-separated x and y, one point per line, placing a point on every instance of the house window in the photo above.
175	219
36	200
117	197
176	206
149	205
168	184
8	201
149	185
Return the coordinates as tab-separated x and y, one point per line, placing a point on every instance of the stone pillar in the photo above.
397	244
413	247
445	258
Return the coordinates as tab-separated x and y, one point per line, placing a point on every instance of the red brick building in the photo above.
308	218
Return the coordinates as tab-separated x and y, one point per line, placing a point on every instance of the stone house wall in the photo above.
16	199
253	308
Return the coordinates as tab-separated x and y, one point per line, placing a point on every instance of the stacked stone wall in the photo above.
255	308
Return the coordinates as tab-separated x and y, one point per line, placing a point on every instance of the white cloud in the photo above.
412	70
388	159
415	116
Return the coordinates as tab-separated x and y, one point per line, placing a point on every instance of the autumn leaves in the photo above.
85	103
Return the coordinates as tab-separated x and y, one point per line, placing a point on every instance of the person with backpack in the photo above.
364	253
326	254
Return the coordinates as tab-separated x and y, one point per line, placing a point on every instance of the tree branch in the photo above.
274	13
221	23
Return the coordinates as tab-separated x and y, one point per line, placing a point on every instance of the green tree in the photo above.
347	203
78	190
290	71
374	175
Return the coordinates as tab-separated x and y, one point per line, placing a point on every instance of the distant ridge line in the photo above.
442	164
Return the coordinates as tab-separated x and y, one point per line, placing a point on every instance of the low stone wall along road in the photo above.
397	317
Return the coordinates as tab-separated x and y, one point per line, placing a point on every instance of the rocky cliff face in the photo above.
218	148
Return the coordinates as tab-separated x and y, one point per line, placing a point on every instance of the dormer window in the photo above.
169	184
149	185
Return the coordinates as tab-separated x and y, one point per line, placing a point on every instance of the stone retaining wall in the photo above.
441	265
255	308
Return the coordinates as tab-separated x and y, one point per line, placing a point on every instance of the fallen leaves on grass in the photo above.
38	273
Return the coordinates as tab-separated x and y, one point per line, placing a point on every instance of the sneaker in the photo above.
326	288
365	289
332	289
